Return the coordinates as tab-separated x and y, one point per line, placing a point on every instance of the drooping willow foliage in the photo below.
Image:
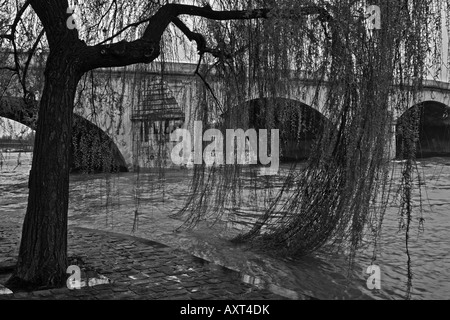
329	82
360	79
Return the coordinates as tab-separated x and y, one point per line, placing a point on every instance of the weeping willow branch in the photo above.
329	202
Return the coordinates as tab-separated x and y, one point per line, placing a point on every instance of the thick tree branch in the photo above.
146	49
192	36
6	36
199	39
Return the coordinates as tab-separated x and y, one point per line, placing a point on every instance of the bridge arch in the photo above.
299	123
15	136
92	150
434	129
16	109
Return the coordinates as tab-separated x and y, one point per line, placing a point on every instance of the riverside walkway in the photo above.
137	269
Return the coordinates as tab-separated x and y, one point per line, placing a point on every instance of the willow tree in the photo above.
371	76
253	45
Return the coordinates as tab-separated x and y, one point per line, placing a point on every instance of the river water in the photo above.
140	205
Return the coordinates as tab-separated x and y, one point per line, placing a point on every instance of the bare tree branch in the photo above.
6	36
30	56
200	40
192	36
135	24
19	14
146	49
9	69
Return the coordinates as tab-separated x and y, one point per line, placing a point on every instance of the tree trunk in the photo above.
42	260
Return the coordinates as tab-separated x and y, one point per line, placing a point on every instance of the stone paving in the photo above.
138	269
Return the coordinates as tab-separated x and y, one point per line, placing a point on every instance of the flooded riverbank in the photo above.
141	204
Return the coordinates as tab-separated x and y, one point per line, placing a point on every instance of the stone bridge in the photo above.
134	109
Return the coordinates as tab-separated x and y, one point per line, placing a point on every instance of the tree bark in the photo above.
42	258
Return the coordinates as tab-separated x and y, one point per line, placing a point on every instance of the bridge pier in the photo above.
392	148
392	143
